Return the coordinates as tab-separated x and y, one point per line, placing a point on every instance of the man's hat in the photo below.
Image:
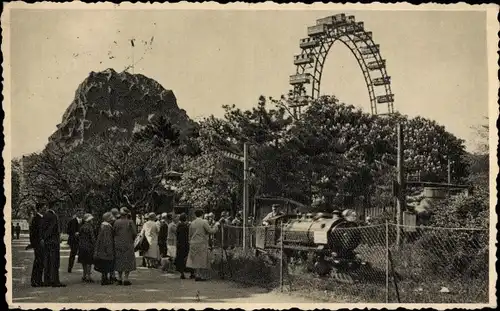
124	211
88	217
108	217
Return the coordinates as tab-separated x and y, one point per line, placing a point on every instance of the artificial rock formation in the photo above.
117	104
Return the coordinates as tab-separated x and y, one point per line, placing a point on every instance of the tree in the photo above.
332	151
482	134
121	173
99	174
17	196
479	165
51	176
206	185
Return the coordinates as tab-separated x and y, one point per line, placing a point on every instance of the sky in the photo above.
209	58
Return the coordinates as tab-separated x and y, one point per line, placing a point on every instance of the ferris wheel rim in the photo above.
361	44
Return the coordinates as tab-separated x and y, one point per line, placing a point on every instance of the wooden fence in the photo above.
374	211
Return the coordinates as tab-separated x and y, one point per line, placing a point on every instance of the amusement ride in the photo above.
306	82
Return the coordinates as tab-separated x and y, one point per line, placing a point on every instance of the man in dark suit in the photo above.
51	236
36	244
73	237
18	230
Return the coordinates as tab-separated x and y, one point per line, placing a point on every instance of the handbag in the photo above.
141	244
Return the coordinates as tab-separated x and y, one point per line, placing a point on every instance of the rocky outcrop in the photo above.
117	104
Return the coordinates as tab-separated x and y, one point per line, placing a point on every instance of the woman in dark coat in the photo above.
104	253
183	247
86	247
162	236
124	235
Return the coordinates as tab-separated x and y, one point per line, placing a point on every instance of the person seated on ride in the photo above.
275	212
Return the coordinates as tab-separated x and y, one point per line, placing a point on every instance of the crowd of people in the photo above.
166	241
109	245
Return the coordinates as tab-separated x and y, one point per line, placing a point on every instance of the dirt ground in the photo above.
149	286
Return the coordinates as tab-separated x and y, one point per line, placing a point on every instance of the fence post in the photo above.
401	195
245	194
394	276
386	261
282	258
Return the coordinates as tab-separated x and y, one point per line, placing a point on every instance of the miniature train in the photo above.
326	242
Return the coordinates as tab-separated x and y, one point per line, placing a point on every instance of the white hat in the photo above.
87	217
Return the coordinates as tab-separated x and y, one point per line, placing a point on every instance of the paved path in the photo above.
149	286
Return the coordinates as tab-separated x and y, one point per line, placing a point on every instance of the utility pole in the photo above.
245	194
401	184
449	171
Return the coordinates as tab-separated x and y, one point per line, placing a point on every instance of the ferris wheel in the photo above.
306	82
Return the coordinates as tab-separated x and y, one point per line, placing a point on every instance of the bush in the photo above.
246	268
453	254
463	211
461	250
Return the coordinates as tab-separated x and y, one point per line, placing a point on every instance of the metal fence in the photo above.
418	265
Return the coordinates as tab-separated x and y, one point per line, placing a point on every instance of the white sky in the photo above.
437	61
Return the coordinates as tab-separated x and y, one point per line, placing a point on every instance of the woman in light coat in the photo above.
150	231
171	237
199	232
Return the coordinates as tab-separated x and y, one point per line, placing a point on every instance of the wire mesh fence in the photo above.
440	265
232	261
352	269
375	264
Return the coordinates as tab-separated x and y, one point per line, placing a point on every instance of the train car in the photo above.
326	242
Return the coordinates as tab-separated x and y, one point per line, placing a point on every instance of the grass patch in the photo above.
415	283
245	268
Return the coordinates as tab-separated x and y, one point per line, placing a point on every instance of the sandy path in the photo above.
149	286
